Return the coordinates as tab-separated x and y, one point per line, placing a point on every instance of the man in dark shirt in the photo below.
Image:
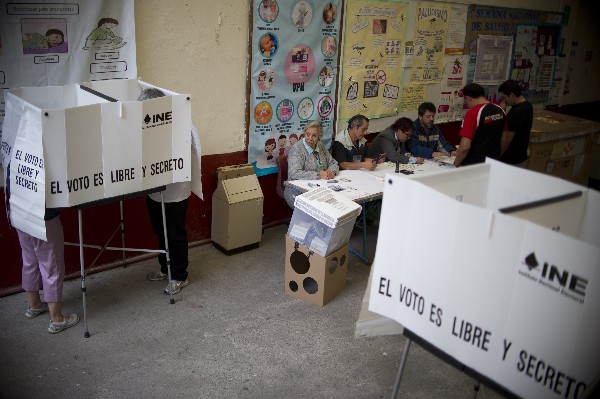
349	148
515	138
481	129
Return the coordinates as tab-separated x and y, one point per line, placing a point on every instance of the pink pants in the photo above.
44	262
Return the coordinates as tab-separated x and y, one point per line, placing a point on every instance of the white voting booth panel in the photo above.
512	295
79	143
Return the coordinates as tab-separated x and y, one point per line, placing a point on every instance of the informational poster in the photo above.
373	52
457	28
493	59
412	97
295	46
536	51
64	42
451	102
431	30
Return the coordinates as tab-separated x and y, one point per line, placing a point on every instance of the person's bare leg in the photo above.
33	299
55	312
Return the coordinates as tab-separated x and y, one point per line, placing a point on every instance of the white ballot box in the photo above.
499	268
323	220
80	143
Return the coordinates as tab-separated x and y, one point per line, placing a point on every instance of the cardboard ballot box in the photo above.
562	145
323	220
233	171
237	212
311	277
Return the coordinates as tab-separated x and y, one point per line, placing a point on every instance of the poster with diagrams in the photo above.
451	101
372	63
431	30
295	47
493	59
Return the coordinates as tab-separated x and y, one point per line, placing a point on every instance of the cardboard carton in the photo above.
234	171
237	212
311	277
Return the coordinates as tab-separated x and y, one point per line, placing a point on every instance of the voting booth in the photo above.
91	143
237	209
75	144
498	268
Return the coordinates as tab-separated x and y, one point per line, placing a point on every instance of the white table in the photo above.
363	186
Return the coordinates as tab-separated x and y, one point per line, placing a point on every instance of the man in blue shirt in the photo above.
427	140
349	148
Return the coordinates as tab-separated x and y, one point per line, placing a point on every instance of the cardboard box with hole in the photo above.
311	277
237	212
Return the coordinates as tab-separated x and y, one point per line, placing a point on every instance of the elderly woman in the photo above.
308	159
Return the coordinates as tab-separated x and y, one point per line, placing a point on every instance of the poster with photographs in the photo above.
295	45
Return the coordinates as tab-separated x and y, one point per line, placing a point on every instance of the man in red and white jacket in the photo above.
481	130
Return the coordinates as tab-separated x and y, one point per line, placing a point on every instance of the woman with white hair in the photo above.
308	159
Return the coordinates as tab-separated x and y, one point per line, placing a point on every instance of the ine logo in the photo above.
531	261
156	118
557	278
163	118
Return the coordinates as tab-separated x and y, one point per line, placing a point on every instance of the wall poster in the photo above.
295	47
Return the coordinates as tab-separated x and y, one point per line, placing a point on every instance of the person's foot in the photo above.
175	286
156	276
34	312
68	321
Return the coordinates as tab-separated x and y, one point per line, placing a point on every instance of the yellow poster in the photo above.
412	97
431	29
372	65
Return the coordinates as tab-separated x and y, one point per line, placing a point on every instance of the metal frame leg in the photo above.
86	334
164	219
401	368
122	225
363	255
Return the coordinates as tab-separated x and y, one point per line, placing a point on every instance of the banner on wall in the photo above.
374	47
65	42
481	303
451	102
431	30
294	57
68	146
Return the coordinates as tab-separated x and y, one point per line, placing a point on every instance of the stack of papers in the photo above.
327	206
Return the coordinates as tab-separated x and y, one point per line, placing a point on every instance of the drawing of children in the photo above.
103	37
269	147
282	142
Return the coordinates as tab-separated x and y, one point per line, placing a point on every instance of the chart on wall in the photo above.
373	53
59	43
294	56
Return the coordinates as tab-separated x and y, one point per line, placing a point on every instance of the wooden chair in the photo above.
282	173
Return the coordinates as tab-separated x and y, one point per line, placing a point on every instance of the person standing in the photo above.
428	141
392	142
481	129
176	199
44	268
515	139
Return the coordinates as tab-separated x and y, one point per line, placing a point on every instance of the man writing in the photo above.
349	148
515	139
481	129
428	141
392	143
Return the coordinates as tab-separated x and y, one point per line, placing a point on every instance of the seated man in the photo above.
349	148
428	141
392	143
481	130
308	159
